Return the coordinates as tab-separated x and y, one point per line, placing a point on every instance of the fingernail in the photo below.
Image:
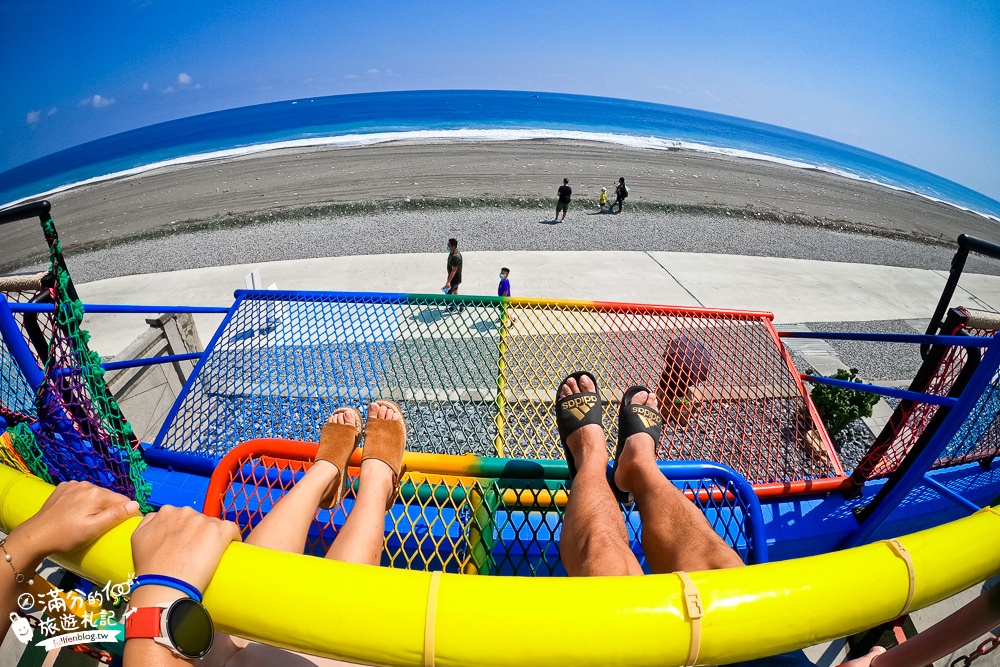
132	507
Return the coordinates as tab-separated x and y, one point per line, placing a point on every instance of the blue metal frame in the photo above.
917	339
932	483
933	399
25	359
169	419
150	361
899	487
748	497
347	297
120	308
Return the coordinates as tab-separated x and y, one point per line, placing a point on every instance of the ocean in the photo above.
465	115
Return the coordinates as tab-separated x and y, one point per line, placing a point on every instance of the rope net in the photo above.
478	376
77	431
456	523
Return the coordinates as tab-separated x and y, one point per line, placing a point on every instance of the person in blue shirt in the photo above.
503	289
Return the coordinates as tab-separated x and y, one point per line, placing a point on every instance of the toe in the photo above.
586	384
373	411
651	401
389	412
568	387
640	398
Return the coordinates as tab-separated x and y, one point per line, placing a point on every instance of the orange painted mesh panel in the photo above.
462	524
426	530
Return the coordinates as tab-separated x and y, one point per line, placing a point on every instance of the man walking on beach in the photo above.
565	192
454	270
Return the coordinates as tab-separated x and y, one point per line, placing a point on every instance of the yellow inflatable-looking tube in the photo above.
380	616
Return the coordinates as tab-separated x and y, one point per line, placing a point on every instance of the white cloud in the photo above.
33	117
373	72
350	76
52	111
145	86
97	101
169	89
184	78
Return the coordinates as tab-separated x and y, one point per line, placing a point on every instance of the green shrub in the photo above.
838	407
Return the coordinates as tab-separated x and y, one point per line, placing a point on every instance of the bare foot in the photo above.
588	444
639	449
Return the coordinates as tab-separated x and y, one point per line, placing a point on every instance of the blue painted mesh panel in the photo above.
16	397
280	367
979	436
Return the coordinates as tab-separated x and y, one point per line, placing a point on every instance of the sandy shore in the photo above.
456	175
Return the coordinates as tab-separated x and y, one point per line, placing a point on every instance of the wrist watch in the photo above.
184	626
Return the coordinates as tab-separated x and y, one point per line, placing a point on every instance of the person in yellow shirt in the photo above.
604	199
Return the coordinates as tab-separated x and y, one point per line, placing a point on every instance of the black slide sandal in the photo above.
575	411
634	419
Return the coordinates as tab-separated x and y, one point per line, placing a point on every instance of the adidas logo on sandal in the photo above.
647	417
580	406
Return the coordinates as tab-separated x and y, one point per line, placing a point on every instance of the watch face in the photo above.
190	628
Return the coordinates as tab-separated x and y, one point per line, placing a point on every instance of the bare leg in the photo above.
286	526
675	534
594	540
362	536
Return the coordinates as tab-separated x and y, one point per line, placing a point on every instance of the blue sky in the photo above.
916	81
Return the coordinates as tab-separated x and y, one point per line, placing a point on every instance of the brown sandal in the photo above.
385	440
336	444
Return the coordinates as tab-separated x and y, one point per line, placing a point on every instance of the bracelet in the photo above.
18	577
169	582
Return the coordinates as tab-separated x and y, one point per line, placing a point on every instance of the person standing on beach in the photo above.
454	270
565	192
621	192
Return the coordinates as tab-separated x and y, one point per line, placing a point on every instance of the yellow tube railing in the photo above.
382	616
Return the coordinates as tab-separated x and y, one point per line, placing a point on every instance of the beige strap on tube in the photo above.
693	606
904	555
430	620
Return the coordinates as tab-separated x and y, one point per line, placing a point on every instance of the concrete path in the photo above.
795	290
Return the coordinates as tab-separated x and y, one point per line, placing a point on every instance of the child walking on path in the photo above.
503	289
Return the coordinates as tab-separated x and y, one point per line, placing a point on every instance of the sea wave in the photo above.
484	135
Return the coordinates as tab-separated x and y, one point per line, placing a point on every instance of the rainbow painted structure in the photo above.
486	485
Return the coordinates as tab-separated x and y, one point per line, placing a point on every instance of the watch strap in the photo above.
143	623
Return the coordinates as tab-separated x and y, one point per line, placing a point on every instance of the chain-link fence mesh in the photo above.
456	522
478	375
